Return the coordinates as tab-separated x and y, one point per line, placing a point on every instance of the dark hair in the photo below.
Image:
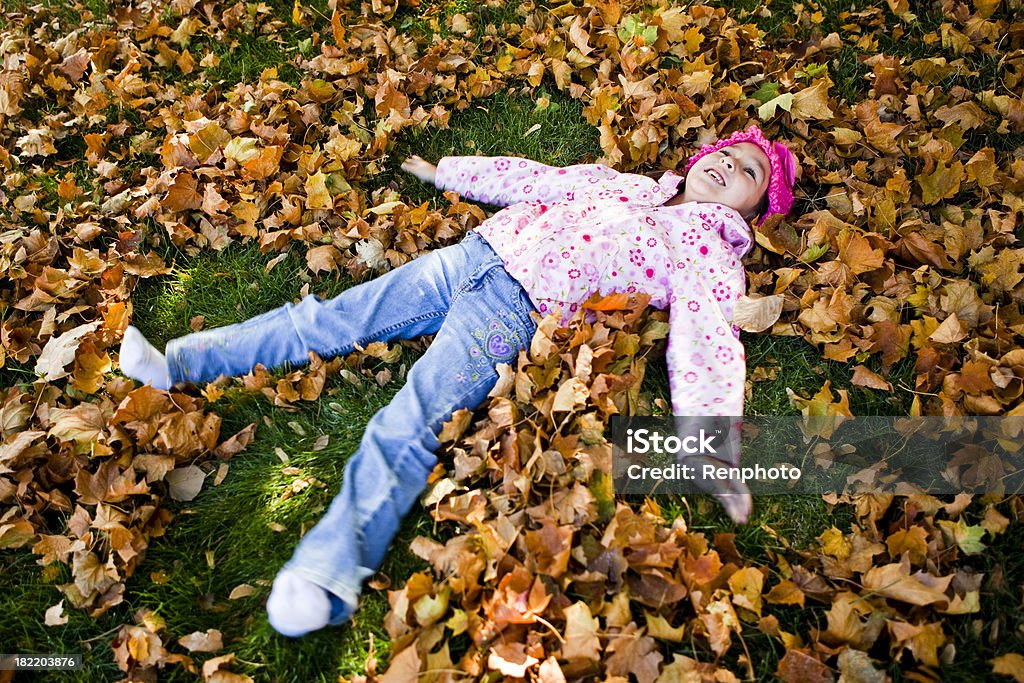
762	206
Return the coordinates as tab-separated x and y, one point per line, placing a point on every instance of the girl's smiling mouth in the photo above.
716	175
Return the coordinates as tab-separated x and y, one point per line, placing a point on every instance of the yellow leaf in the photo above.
658	627
785	593
581	641
894	581
845	136
835	544
241	150
942	183
571	394
1011	664
317	196
767	110
746	585
812	103
205	141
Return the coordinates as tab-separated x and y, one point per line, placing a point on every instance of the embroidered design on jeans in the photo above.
498	342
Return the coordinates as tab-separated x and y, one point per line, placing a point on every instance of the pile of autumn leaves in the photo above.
911	246
549	577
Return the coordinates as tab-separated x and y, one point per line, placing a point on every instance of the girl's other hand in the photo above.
421	168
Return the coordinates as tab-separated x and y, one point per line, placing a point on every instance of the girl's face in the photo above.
736	176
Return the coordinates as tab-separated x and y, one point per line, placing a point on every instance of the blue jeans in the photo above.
481	317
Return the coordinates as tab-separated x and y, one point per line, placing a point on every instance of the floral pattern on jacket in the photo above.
567	233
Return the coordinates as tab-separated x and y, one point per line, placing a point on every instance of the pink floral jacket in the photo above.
570	232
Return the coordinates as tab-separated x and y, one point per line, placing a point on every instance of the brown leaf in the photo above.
864	377
210	641
634	653
183	194
812	103
214	671
942	183
923	640
798	666
510	659
237	443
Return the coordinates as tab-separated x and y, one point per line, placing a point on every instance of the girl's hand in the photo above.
421	168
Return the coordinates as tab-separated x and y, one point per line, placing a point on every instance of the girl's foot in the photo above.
297	606
142	362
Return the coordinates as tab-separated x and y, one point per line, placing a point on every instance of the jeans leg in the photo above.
407	302
488	324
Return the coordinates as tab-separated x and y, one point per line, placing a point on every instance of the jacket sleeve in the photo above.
706	360
508	180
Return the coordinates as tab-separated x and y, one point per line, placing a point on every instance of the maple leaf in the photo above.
137	646
208	140
785	593
942	183
895	581
322	258
812	103
183	194
581	641
82	424
746	586
510	659
923	640
967	537
60	351
634	653
214	671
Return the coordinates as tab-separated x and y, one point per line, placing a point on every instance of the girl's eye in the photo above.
751	172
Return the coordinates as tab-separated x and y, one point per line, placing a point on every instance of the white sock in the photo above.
297	606
141	361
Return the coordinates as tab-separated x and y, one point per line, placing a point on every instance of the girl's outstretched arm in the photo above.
507	180
706	360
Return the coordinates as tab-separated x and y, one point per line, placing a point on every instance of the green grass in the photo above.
68	16
499	125
232	524
245	549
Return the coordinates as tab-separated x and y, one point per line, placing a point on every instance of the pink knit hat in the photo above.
783	175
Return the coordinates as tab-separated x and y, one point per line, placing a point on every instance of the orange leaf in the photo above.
183	195
613	302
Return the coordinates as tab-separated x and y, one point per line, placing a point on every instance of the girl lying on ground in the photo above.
566	233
